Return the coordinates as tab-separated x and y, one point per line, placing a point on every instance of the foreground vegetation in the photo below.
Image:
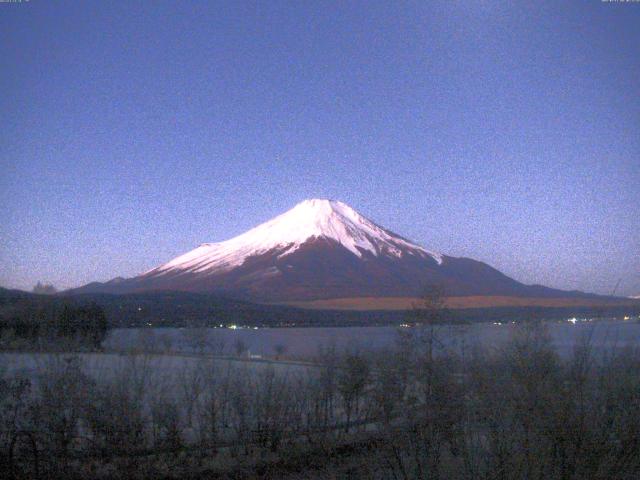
417	411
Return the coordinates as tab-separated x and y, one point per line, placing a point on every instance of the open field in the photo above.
405	303
167	368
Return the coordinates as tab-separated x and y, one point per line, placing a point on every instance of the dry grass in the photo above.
476	301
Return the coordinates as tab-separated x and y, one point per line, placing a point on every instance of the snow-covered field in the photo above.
166	370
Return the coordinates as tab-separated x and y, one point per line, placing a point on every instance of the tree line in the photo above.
54	324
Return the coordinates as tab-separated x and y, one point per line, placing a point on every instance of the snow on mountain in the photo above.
322	249
310	219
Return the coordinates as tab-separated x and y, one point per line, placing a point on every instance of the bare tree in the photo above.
197	339
280	349
240	347
63	390
428	314
388	385
166	425
353	377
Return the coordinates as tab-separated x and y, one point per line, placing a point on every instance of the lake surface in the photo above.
307	342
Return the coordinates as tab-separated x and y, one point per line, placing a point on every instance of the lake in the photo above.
307	342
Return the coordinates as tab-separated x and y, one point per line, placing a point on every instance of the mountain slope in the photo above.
322	249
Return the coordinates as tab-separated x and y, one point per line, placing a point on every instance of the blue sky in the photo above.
506	132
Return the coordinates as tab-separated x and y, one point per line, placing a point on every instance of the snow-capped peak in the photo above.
314	218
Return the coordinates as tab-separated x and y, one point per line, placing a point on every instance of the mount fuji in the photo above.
319	250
